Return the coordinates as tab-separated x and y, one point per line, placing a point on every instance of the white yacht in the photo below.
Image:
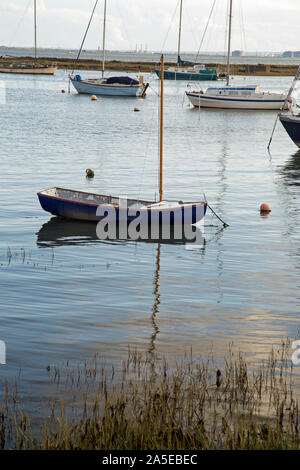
238	97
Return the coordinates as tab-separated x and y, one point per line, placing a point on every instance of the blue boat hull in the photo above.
106	90
292	127
88	212
205	75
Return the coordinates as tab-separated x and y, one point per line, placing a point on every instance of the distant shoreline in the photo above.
148	67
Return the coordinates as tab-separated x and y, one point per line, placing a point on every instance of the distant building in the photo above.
288	54
291	54
237	53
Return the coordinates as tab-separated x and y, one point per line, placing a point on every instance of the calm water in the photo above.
66	295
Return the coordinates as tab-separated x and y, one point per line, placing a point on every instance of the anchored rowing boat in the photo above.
95	207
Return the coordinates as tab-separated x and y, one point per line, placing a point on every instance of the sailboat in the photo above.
25	68
236	97
113	86
91	207
290	120
196	72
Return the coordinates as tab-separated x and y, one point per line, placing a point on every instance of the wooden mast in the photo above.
35	42
161	128
179	34
229	43
103	40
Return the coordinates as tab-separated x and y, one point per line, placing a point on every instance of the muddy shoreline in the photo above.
144	67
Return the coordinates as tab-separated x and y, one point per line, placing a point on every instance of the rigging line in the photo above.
205	29
153	89
84	37
190	21
124	23
19	24
216	215
171	23
243	25
226	32
241	28
212	31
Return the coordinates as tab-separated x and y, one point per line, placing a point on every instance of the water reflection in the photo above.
58	231
290	171
288	184
155	309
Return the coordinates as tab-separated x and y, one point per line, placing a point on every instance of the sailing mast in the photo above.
161	128
103	41
35	42
179	34
229	43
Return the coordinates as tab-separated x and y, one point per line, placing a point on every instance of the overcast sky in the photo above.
258	25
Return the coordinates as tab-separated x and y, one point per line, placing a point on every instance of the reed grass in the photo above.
149	405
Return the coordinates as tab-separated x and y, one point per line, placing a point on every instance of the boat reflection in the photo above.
290	171
59	231
288	182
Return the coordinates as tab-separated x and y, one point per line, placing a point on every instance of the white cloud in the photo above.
9	7
268	24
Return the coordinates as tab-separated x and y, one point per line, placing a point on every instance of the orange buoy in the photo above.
63	91
136	109
265	208
94	98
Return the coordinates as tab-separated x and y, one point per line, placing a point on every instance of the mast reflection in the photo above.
155	310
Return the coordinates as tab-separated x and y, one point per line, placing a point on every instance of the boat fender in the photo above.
78	78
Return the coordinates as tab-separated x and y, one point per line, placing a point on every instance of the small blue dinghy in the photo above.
78	205
91	207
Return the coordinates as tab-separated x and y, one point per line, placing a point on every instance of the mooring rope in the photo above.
84	37
19	24
171	23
